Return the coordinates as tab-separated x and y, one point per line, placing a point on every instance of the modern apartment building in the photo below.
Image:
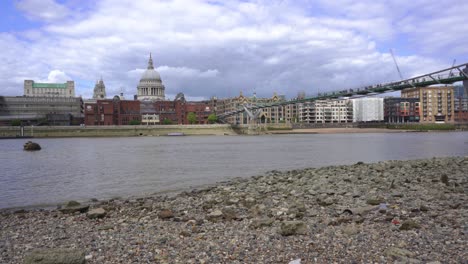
326	111
436	103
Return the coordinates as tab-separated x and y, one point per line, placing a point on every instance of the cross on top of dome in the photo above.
150	63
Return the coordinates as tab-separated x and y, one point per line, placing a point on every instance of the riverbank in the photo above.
212	129
407	211
337	130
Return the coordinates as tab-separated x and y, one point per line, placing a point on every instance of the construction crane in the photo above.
396	64
398	68
453	64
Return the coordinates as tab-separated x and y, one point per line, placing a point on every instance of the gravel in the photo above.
387	212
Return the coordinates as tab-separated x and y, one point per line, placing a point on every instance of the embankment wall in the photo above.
115	131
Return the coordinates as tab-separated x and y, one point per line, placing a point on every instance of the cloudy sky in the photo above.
219	48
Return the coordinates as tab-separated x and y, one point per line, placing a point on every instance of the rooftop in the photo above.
50	85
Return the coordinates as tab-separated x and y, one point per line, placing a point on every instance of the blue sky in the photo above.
219	48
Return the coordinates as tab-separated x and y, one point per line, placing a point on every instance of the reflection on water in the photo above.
84	168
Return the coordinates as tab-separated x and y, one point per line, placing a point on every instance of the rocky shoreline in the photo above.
387	212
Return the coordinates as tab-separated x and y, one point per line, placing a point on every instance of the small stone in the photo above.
166	214
289	228
374	201
444	178
409	224
230	214
72	203
74	206
216	214
105	227
258	223
56	256
394	253
96	213
233	201
326	202
350	230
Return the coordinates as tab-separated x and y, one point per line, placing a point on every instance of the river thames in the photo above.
85	168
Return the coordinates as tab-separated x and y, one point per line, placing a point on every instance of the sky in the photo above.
221	48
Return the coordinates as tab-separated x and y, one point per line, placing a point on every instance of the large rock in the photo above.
55	256
73	206
289	228
31	146
96	213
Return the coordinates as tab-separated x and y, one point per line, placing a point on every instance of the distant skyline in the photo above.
219	48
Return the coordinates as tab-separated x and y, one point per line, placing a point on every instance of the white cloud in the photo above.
46	10
56	76
184	72
205	49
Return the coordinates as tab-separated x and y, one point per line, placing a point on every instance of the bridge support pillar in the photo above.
465	82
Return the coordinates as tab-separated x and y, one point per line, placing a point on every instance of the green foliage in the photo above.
134	122
422	127
167	121
212	118
278	128
16	122
191	118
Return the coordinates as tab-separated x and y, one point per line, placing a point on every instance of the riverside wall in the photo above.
115	131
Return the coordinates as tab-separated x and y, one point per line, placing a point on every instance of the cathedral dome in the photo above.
150	86
150	74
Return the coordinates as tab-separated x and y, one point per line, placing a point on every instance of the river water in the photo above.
84	168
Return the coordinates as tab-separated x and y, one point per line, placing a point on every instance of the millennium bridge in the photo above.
445	76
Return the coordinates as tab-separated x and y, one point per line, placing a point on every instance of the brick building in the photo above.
174	112
436	103
112	112
461	110
401	110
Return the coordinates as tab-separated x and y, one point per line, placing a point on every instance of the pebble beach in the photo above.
412	211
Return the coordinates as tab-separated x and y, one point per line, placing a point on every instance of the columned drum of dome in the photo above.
150	87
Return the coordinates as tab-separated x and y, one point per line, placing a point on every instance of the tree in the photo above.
134	122
212	118
191	118
167	121
16	122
